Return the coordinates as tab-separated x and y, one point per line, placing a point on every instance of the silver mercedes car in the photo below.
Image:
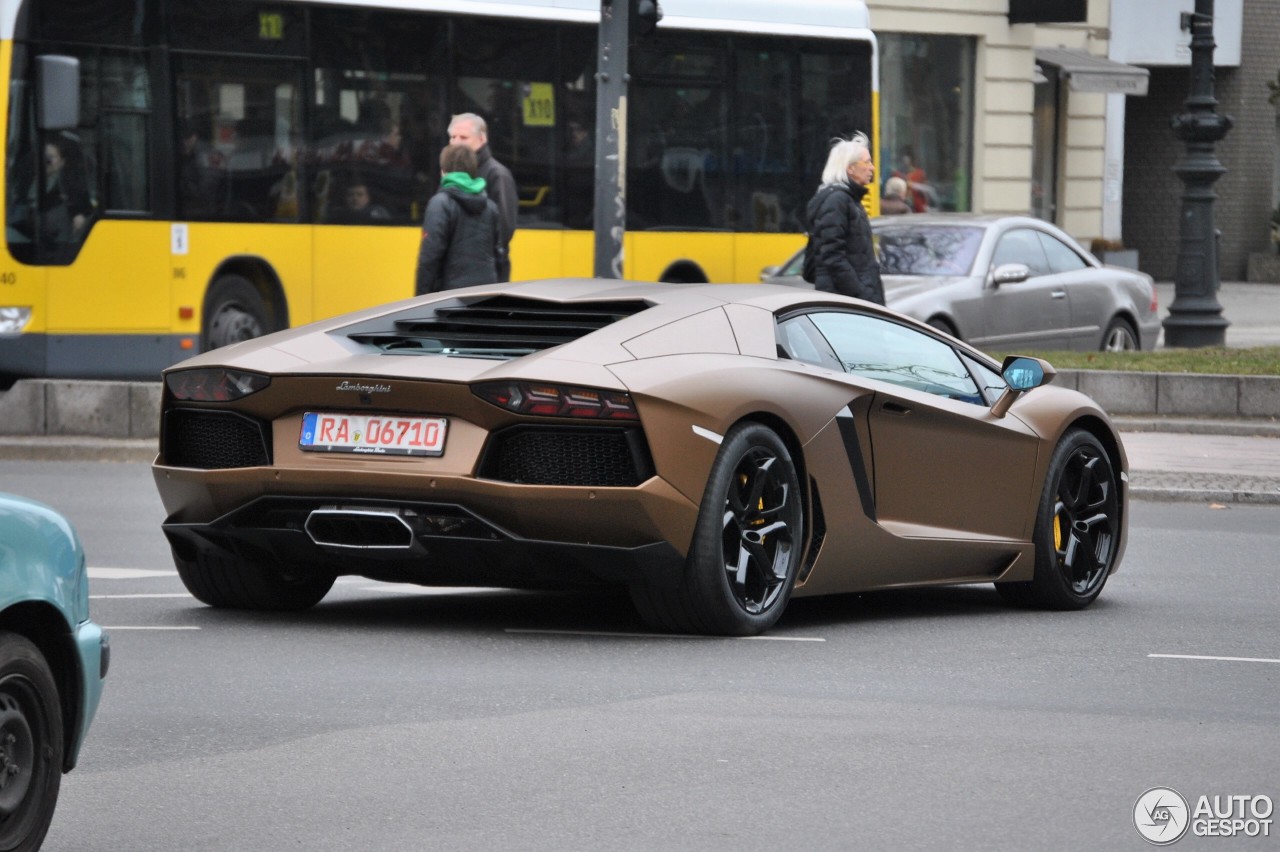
1004	283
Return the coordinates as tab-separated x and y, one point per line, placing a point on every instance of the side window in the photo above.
1021	246
800	340
886	351
60	182
516	98
240	155
677	112
991	382
1061	257
379	115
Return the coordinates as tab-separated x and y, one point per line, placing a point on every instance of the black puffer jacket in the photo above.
846	258
460	245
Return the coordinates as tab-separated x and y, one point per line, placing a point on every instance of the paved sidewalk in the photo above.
1203	468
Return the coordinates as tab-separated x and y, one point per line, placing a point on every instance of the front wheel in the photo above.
746	547
31	744
227	582
1077	528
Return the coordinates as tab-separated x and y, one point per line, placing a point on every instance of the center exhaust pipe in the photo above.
366	529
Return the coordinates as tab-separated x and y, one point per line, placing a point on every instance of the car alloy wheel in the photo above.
1077	528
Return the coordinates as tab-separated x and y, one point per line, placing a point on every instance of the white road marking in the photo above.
1215	659
412	589
126	573
110	627
117	597
621	635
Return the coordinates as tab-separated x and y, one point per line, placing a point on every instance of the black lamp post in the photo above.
1195	316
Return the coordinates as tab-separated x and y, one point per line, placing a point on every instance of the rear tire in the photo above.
943	326
1119	337
747	544
1077	528
227	582
236	312
31	744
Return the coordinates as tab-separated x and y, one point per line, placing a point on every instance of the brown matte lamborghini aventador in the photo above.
714	449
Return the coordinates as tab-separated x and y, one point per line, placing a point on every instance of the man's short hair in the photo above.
458	158
477	122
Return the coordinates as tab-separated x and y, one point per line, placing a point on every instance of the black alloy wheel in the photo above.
747	545
1077	528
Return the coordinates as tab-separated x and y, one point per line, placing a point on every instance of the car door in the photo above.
1034	313
950	480
1090	296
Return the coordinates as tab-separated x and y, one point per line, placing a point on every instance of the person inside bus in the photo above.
200	174
470	129
65	203
844	257
461	235
358	206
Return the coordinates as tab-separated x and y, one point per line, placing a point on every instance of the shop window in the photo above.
926	112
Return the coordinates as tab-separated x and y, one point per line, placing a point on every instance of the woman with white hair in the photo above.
840	233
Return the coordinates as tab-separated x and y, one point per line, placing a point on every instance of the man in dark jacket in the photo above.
461	243
840	230
470	129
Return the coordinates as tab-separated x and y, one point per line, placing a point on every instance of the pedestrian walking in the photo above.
461	243
840	233
470	129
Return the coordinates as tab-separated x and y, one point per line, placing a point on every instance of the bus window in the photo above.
515	95
252	109
677	163
379	113
60	182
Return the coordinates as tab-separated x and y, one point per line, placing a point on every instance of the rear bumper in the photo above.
437	544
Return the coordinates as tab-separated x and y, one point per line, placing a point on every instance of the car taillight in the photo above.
549	400
214	384
1155	301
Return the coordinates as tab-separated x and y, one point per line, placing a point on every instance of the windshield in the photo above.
928	249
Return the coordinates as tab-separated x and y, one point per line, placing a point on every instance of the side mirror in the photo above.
1010	273
769	271
57	92
1021	375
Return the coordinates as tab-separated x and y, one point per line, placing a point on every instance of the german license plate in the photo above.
375	434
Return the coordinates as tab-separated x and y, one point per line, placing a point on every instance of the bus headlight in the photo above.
14	319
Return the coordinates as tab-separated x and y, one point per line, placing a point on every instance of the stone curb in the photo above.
1177	394
1209	495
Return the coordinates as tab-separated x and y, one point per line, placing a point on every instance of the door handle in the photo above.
895	408
1058	294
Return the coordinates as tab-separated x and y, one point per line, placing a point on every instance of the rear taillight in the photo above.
214	384
548	400
1155	301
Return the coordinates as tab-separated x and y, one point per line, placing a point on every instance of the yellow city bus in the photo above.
177	174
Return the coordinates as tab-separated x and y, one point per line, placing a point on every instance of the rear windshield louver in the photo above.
496	327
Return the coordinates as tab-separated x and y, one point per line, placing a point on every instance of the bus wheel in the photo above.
236	312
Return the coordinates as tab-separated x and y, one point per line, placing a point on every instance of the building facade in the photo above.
968	96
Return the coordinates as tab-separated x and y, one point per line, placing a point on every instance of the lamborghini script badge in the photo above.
360	388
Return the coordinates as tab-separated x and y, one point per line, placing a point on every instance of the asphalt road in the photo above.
399	718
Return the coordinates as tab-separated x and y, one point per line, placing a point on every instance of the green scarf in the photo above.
463	181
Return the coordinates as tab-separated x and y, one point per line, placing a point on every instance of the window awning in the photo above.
1088	73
